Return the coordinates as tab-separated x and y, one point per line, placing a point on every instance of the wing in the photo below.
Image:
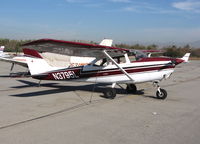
71	48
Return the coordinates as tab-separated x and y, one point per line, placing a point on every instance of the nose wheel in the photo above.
160	93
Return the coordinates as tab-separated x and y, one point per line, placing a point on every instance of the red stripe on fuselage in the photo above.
128	70
150	59
69	74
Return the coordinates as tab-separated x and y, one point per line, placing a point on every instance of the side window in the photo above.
122	60
118	60
101	62
140	55
132	58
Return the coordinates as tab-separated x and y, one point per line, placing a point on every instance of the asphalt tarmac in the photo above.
61	112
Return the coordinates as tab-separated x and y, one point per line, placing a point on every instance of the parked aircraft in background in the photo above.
2	53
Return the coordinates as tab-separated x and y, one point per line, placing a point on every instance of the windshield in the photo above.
140	54
105	62
136	55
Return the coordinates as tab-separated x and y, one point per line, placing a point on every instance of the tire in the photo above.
131	88
110	93
161	95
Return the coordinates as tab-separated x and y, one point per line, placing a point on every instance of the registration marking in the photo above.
64	75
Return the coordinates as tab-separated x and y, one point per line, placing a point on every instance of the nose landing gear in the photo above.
160	93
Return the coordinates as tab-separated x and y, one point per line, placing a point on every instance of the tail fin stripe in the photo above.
31	52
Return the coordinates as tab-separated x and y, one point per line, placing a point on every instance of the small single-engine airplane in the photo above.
112	65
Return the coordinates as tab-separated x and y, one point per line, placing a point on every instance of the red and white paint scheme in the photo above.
112	65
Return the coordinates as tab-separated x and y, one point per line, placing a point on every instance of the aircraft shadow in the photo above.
152	97
33	84
100	88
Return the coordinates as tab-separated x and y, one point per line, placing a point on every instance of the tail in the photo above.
186	57
106	42
36	64
32	53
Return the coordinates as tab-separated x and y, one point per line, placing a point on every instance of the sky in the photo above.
124	21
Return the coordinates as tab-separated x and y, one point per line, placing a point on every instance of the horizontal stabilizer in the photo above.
16	60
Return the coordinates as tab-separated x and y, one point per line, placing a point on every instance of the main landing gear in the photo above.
110	92
160	93
131	88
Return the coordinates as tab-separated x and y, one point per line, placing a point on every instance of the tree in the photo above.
152	47
172	51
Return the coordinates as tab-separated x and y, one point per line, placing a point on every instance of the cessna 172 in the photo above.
112	65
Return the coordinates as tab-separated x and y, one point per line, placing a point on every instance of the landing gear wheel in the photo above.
131	88
110	93
162	94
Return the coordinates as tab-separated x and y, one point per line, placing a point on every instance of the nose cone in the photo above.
178	61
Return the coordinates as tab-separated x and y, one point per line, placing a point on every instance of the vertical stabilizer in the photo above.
37	66
186	57
31	52
106	42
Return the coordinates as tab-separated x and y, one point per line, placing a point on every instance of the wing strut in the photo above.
122	70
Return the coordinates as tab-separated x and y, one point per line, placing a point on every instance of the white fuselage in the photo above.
139	71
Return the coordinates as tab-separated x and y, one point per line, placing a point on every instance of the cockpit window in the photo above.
105	62
132	58
139	55
119	59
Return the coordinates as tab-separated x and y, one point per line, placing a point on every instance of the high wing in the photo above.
71	48
83	49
